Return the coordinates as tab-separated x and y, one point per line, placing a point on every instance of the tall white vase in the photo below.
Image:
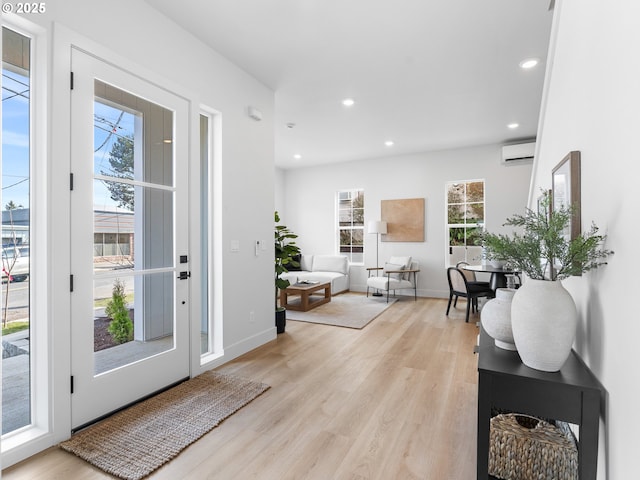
543	319
496	318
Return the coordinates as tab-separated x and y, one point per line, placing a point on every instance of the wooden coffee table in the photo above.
306	293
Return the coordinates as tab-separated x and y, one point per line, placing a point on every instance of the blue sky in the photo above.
109	122
15	139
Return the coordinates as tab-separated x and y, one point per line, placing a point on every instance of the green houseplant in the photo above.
542	251
543	314
285	251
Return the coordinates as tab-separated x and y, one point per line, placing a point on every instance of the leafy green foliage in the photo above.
121	326
543	250
121	161
285	250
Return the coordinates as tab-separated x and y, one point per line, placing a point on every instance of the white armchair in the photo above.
398	273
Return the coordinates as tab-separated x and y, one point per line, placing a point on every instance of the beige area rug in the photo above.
133	443
350	310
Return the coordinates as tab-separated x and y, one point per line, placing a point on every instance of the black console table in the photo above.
572	395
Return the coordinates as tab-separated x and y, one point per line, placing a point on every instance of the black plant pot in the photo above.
281	320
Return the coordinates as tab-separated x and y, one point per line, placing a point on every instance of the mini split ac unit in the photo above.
519	153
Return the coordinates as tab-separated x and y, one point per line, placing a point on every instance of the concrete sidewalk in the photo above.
16	401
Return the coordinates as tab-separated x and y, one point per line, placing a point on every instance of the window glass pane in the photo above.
475	213
455	193
455	214
473	236
456	236
121	121
16	231
345	237
204	233
346	217
357	257
117	225
475	192
358	217
133	319
357	237
113	143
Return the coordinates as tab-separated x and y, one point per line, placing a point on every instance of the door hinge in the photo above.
71	383
71	181
71	283
71	80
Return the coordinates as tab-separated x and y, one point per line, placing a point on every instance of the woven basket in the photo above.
531	450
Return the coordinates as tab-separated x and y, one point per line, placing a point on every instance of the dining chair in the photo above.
471	275
459	286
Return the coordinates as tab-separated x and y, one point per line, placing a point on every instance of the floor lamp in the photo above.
377	227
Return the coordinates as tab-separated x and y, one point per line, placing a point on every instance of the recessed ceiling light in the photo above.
513	125
528	63
348	102
297	156
389	143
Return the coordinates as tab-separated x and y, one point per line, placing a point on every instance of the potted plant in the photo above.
543	313
285	251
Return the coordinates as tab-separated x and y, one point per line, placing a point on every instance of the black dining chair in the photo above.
459	286
471	275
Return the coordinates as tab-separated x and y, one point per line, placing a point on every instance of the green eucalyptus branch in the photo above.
542	249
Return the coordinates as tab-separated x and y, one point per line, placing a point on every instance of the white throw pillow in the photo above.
393	266
405	262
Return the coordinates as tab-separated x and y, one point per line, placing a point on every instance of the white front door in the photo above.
128	240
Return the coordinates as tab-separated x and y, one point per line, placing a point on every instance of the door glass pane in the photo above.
204	232
140	238
133	318
133	228
16	231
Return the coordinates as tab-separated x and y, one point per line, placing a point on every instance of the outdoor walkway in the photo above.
16	403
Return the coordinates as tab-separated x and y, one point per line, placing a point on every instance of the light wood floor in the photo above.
396	400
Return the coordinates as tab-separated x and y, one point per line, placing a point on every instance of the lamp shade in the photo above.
377	227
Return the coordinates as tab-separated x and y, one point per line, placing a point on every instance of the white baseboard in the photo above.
244	346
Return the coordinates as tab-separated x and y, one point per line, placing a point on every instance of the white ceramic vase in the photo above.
543	318
496	318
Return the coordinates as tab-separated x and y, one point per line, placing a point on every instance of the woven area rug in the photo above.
133	443
350	310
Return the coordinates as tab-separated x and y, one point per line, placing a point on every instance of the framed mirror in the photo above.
566	189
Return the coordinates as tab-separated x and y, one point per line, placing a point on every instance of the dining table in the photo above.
498	274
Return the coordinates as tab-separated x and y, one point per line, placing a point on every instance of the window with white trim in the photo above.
465	221
350	216
16	231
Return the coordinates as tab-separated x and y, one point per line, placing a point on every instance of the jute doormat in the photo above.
133	443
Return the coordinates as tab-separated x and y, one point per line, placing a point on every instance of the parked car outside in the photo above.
15	263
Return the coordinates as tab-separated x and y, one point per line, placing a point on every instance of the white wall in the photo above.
310	195
279	187
135	37
592	103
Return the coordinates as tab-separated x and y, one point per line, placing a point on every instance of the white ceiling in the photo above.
427	74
